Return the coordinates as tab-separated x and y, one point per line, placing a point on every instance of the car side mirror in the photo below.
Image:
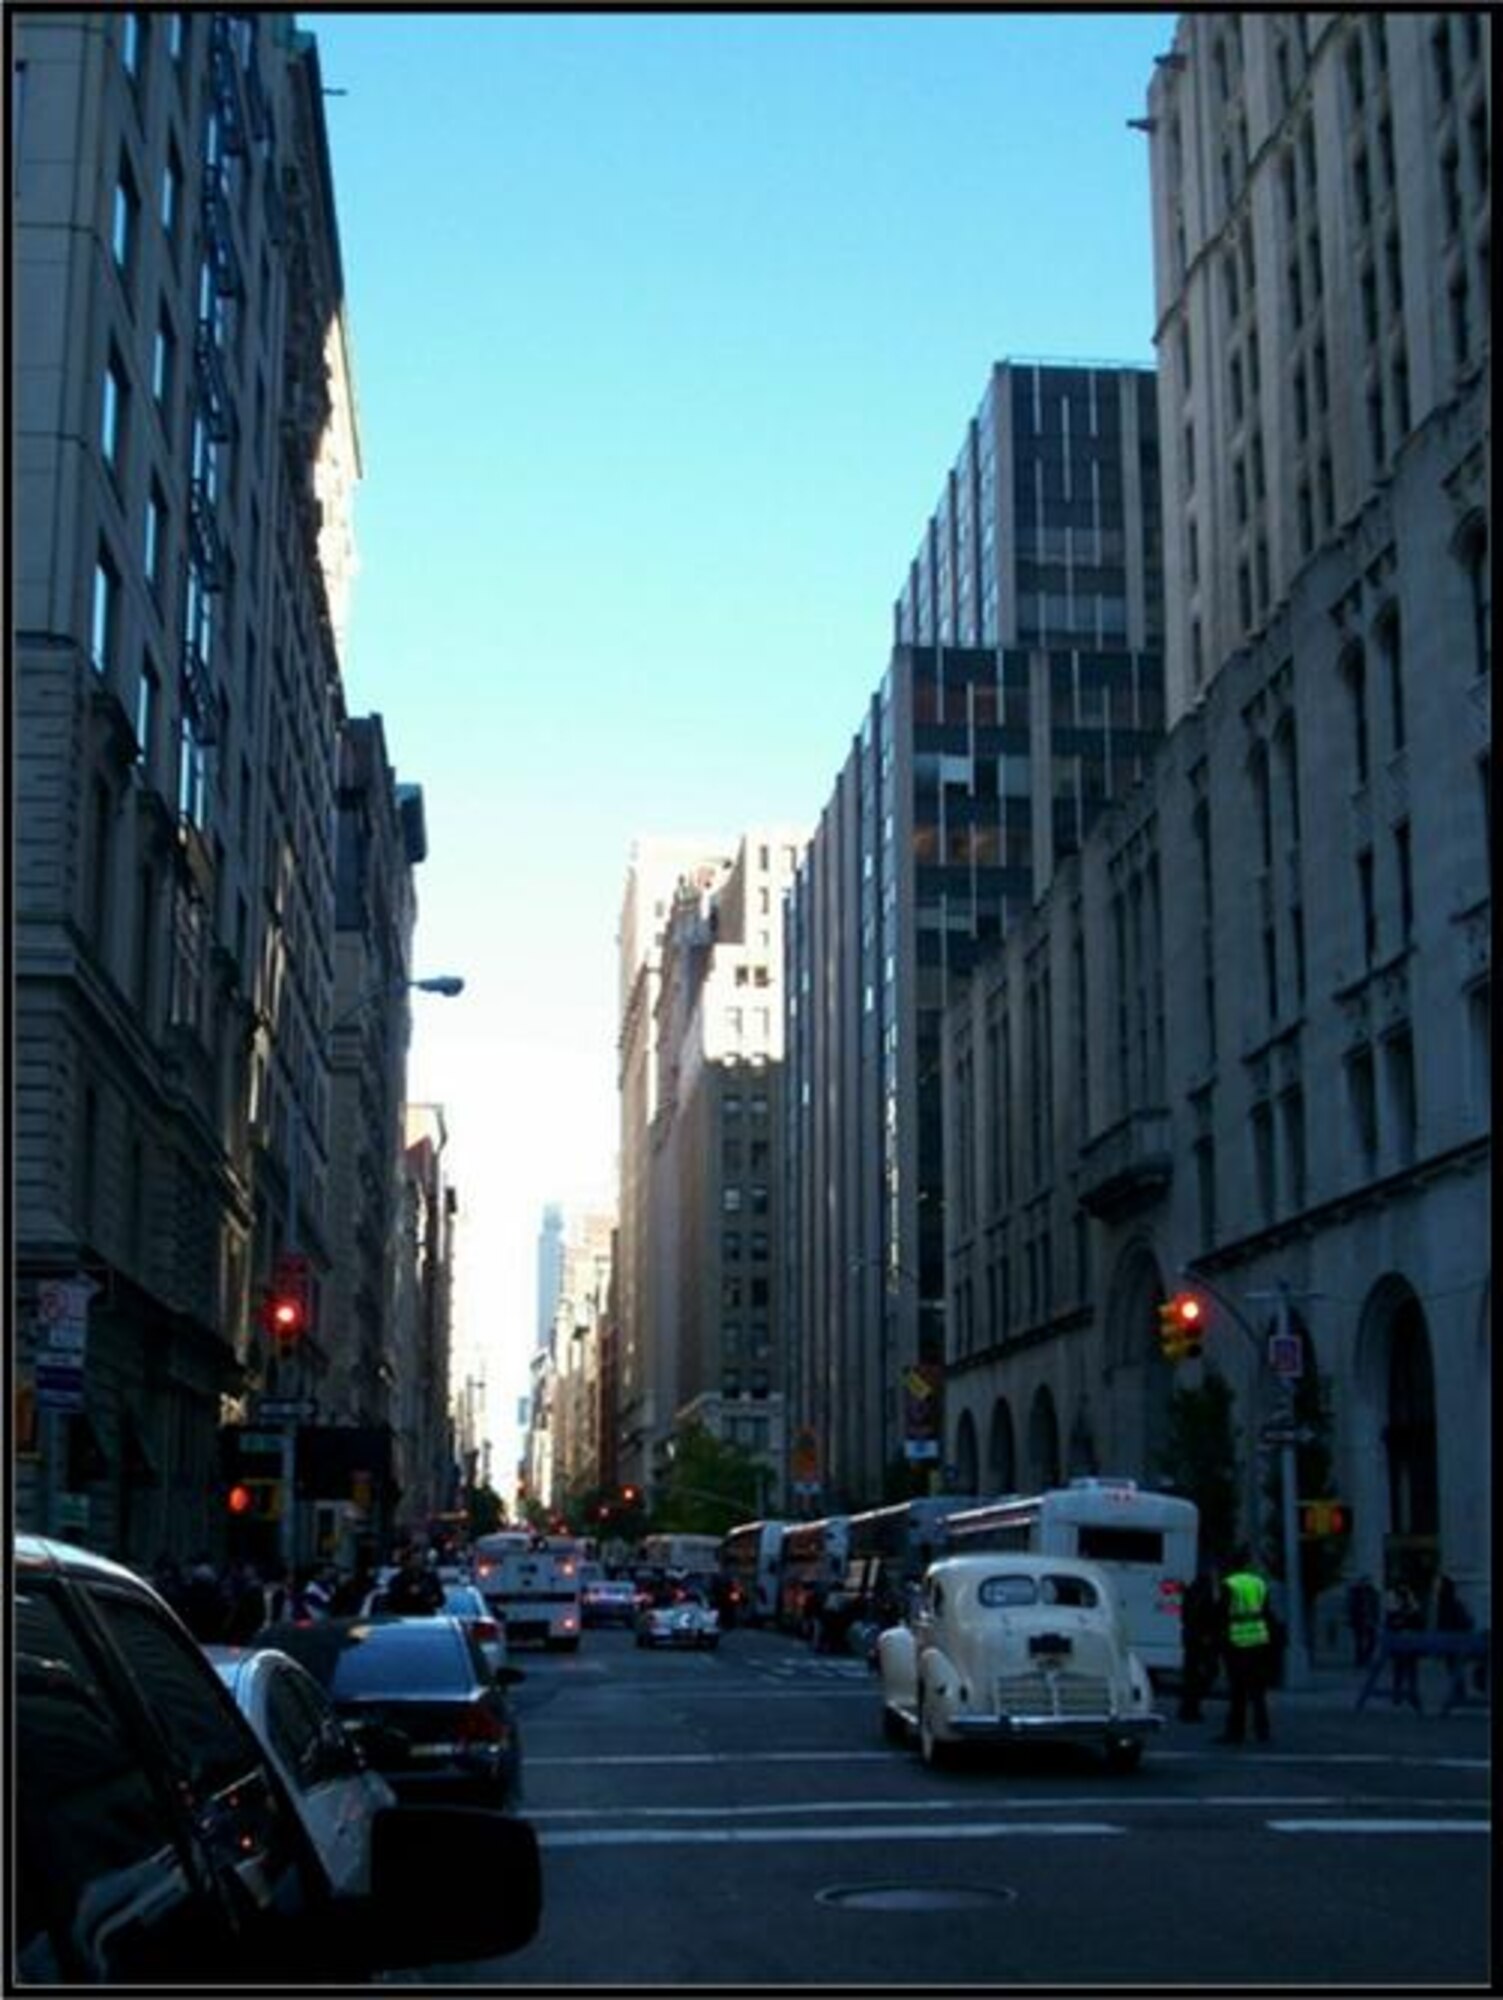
449	1884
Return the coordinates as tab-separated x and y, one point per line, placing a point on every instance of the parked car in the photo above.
609	1601
425	1706
1015	1648
336	1792
464	1602
155	1844
685	1621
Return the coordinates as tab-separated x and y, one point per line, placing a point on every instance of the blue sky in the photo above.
666	329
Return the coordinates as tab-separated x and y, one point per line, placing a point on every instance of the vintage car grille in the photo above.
1040	1693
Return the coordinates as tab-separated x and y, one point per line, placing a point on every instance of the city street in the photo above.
735	1817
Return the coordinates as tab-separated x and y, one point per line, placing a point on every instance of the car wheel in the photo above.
1123	1757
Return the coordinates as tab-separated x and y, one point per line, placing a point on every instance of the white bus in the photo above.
696	1555
894	1545
751	1558
814	1559
533	1582
1145	1541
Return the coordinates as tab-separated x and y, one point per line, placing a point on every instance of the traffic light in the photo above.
255	1499
285	1301
1324	1517
629	1496
1181	1327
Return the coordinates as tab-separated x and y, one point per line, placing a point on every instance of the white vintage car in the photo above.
1015	1648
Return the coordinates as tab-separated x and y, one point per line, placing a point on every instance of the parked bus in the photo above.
533	1582
814	1561
696	1555
751	1559
891	1547
1146	1542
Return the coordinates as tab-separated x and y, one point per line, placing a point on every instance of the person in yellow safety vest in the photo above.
1248	1639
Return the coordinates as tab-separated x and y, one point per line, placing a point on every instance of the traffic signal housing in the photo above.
1181	1327
254	1499
284	1314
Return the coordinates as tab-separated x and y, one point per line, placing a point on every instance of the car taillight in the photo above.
479	1723
485	1628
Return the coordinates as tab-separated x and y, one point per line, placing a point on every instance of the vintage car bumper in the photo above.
1017	1728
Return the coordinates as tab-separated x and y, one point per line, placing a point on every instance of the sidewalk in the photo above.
1337	1685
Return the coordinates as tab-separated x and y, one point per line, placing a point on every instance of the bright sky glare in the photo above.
666	330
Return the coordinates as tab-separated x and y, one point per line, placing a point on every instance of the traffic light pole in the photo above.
1297	1651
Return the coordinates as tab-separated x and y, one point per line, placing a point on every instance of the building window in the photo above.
1389	644
1367	906
1205	1188
104	633
154	539
1398	1053
123	222
112	415
163	371
98	887
1362	1103
1263	1167
1403	860
148	697
1292	1107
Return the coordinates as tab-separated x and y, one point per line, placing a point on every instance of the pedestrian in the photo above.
1200	1615
1451	1615
415	1591
1248	1641
1402	1614
1363	1609
204	1608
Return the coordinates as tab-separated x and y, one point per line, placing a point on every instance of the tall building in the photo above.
1247	1036
1321	215
380	840
716	1142
1024	693
425	1455
185	449
643	1384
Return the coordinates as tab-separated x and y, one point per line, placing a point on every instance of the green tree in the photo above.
1199	1458
710	1486
486	1510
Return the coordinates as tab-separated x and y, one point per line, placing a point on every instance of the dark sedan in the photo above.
431	1716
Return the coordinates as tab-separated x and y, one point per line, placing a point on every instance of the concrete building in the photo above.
644	1388
1248	1033
716	1145
184	455
425	1455
570	1447
1023	694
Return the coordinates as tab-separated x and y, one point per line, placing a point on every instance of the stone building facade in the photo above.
1247	1036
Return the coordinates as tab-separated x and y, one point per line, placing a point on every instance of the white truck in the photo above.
532	1582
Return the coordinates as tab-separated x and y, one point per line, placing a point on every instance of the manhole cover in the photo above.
913	1896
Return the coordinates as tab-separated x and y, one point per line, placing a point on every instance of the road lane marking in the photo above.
665	1836
718	1757
805	1807
1381	1825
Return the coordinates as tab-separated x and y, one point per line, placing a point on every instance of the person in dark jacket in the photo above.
1200	1628
414	1592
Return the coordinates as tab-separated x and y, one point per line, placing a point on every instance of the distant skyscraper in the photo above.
1024	693
550	1269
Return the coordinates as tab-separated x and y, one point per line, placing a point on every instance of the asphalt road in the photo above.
735	1818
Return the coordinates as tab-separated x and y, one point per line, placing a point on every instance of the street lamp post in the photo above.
447	985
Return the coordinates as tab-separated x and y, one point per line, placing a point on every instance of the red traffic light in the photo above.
1181	1327
284	1315
240	1499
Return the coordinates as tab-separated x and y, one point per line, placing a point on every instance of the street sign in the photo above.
285	1409
257	1443
1286	1355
